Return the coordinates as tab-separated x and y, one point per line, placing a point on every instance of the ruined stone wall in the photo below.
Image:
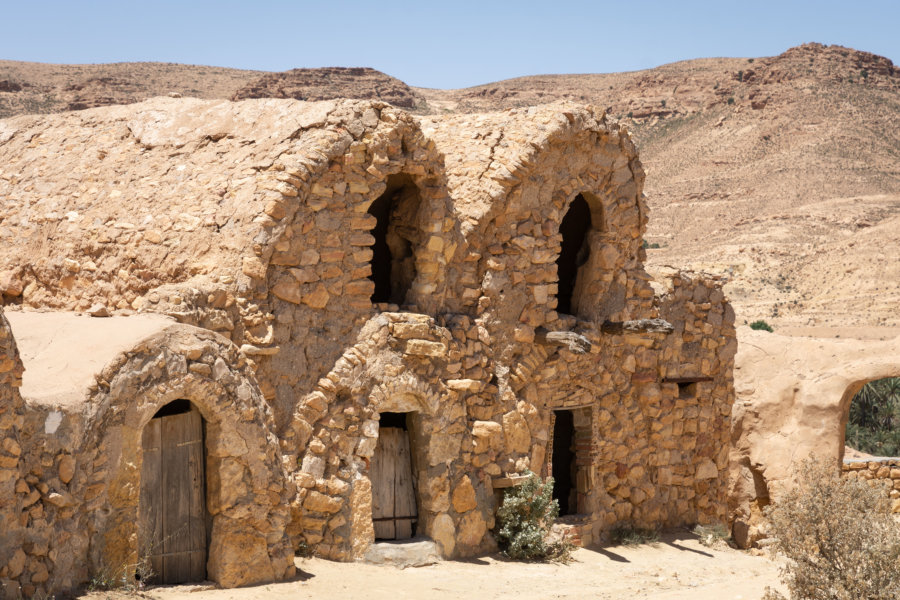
877	471
75	493
285	238
12	558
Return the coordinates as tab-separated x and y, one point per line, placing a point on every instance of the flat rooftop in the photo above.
63	351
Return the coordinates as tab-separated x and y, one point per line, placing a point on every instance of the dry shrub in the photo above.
839	537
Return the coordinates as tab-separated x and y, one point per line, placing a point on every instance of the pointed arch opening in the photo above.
574	253
397	236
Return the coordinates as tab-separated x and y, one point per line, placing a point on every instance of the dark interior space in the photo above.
564	463
574	251
687	390
175	407
389	419
395	233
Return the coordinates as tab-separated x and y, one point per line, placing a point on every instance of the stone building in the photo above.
382	321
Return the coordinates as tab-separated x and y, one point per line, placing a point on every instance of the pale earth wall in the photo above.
793	402
251	220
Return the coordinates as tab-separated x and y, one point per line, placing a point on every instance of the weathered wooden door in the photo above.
394	513
172	521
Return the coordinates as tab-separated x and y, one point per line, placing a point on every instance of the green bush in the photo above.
525	519
838	536
761	325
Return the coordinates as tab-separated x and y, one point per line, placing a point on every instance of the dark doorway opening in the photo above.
563	462
573	253
394	508
172	518
396	237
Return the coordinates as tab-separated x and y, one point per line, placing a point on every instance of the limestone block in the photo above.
464	496
444	533
488	435
253	267
435	491
516	433
318	297
287	289
407	331
238	556
319	502
443	448
472	528
426	348
707	470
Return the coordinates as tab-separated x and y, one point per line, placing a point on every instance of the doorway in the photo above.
394	510
563	465
172	514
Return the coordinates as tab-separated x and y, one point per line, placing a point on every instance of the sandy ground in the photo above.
678	567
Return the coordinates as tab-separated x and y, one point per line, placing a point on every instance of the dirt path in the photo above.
678	567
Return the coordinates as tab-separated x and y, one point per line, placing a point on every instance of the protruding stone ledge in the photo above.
574	342
637	326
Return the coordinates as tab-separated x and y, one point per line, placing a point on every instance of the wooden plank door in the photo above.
394	512
173	508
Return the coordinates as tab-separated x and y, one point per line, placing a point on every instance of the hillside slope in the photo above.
782	173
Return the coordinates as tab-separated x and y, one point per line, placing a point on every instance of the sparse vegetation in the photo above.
654	245
761	325
129	578
839	538
628	535
873	426
525	519
712	535
731	100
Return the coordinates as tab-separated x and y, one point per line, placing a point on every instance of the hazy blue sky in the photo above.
452	43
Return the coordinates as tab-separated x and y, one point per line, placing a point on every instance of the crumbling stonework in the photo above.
877	471
481	274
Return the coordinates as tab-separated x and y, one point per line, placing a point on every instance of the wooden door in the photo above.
172	522
394	513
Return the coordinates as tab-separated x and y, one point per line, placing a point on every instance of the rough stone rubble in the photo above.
252	224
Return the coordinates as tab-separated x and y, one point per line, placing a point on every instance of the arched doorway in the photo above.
172	520
397	236
573	254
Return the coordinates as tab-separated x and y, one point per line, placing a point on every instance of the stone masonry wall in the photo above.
473	351
885	471
76	493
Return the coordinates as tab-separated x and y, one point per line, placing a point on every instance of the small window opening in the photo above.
574	252
563	463
176	407
396	237
687	390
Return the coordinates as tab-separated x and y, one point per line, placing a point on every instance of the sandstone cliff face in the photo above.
792	400
359	83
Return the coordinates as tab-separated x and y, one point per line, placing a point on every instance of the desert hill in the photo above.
782	173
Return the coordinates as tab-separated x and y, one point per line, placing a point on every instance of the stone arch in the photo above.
245	480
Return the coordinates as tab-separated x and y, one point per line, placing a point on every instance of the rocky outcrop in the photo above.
361	83
792	400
